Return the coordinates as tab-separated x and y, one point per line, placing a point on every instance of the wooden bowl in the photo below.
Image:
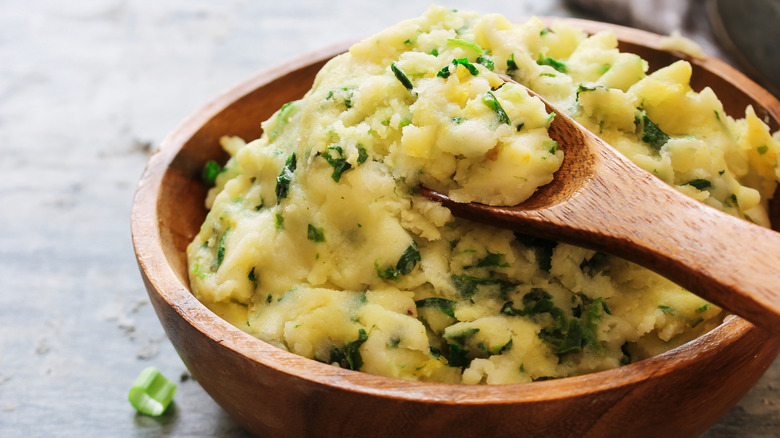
271	392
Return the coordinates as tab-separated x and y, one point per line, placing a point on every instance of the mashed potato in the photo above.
318	242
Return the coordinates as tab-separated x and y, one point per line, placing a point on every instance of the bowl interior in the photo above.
179	205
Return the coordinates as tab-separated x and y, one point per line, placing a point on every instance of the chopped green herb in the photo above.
349	357
434	52
652	134
554	63
196	271
465	44
408	260
492	260
733	198
405	265
572	335
393	342
210	171
537	301
461	337
699	183
596	307
285	178
386	273
490	100
345	92
717	115
315	234
534	302
604	68
269	298
235	301
553	146
362	154
469	66
666	309
721	172
548	75
447	307
221	248
506	347
762	149
595	264
567	334
457	120
252	277
404	122
444	72
520	126
408	42
340	164
151	393
569	338
279	221
285	107
457	357
511	65
467	286
402	78
284	113
703	308
581	88
486	61
544	31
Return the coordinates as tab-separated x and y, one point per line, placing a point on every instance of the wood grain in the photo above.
274	393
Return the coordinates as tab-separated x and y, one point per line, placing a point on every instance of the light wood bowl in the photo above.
271	392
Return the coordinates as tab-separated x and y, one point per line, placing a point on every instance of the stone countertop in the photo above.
87	91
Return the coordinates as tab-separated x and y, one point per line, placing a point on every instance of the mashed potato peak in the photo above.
317	241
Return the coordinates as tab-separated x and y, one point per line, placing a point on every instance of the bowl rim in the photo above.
159	275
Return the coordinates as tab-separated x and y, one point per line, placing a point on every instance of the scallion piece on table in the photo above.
151	393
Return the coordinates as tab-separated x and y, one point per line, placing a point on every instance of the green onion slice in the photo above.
151	393
401	76
490	100
466	44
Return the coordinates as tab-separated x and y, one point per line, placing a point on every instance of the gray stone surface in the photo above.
87	89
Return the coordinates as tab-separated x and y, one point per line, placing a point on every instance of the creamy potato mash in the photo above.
318	242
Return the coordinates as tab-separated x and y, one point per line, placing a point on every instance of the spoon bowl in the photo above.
601	200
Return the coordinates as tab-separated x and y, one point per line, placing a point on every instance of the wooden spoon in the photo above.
601	200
